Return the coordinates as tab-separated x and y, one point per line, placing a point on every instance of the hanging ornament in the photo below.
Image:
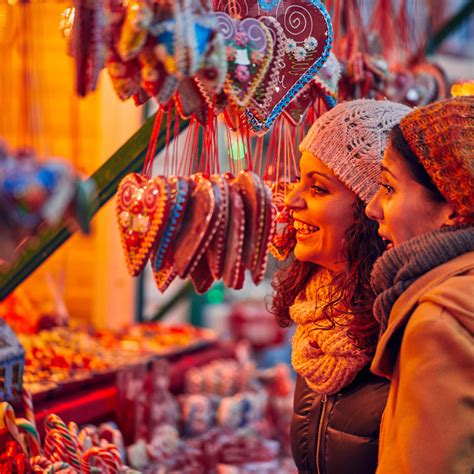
304	27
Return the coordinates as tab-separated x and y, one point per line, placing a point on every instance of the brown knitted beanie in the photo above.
441	135
350	139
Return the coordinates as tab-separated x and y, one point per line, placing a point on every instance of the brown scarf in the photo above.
325	357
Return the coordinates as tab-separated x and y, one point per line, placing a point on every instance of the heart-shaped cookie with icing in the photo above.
215	253
308	35
165	276
260	259
179	196
141	208
253	196
249	47
198	227
234	268
201	276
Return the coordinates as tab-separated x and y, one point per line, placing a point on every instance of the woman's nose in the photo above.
294	199
374	209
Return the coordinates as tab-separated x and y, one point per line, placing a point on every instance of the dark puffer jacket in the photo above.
338	434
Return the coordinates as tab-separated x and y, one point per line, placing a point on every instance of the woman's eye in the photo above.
387	187
318	189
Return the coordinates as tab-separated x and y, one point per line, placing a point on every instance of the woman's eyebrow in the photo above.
312	173
383	168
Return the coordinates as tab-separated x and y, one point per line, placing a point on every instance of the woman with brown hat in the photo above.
425	287
326	293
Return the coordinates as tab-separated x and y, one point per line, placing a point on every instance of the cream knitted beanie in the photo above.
350	139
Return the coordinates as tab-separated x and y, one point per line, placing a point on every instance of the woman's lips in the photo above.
303	230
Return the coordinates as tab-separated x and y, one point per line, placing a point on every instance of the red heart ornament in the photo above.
198	228
234	268
249	47
253	196
259	263
215	253
308	31
141	207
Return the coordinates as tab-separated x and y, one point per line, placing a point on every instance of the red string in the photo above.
151	151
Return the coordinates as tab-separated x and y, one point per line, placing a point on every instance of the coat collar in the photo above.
389	342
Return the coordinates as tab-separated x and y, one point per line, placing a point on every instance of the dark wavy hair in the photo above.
350	291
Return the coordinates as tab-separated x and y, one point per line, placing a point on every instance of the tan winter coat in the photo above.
427	352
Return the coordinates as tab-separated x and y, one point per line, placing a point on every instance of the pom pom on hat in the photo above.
350	139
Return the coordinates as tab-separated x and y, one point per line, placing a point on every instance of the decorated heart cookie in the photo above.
141	211
259	263
190	101
284	236
262	98
165	276
201	276
234	268
215	253
178	202
249	47
308	32
197	229
253	197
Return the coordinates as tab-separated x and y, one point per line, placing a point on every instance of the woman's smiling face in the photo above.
323	209
402	206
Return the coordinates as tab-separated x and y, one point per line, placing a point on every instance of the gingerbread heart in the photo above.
201	276
259	263
260	103
234	268
249	52
190	101
141	208
178	201
125	75
253	197
198	227
215	253
308	31
165	276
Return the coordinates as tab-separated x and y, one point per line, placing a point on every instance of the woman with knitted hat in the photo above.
425	287
325	290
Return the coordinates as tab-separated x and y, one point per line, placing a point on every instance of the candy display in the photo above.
66	448
227	423
35	192
197	227
62	355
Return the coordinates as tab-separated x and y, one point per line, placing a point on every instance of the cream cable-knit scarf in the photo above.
326	358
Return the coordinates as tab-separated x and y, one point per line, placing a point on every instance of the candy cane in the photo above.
58	466
87	438
73	428
54	422
105	458
31	436
7	421
87	459
55	448
29	407
114	452
40	461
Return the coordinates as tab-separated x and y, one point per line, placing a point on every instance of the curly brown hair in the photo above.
349	290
